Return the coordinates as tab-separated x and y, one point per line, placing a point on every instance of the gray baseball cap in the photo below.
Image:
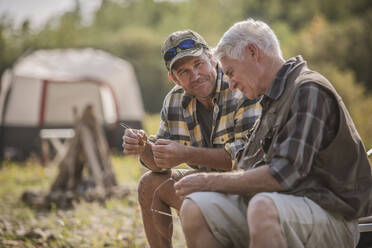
174	39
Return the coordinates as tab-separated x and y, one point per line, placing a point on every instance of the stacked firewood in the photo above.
85	172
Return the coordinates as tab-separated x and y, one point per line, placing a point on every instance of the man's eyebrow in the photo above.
179	70
197	60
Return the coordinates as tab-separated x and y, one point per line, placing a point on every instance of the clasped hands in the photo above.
166	153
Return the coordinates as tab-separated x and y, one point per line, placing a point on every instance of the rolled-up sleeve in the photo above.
311	125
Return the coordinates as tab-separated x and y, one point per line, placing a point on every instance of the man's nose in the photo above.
194	74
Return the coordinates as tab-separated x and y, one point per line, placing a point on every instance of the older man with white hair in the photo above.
304	176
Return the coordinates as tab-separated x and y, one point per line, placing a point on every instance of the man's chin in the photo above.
204	94
203	88
200	85
248	94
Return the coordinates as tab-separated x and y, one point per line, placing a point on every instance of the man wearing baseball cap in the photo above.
203	124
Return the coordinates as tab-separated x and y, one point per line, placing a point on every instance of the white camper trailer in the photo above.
43	88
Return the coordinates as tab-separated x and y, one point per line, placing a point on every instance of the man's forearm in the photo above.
243	182
217	158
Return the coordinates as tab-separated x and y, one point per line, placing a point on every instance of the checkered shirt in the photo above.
233	115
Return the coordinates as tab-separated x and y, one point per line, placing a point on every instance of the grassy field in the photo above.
117	223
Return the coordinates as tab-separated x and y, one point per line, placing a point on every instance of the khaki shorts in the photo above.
303	223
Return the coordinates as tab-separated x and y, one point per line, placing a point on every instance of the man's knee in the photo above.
148	184
191	216
262	205
261	213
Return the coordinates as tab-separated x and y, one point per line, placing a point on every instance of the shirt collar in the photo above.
278	85
187	97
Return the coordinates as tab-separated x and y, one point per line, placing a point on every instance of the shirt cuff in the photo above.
235	150
284	173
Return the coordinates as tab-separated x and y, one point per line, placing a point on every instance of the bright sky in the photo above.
39	11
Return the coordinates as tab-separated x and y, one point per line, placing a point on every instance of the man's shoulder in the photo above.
174	96
176	91
314	88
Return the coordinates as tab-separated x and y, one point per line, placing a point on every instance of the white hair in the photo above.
234	41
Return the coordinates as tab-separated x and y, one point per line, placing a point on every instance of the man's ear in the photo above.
214	62
170	75
251	50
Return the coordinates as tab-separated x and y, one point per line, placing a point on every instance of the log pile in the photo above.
85	172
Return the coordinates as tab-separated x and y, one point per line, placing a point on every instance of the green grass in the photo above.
117	223
151	123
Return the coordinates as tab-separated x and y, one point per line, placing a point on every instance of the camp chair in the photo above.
365	226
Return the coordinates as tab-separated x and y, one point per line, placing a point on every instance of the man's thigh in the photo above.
178	174
163	190
305	224
226	217
158	179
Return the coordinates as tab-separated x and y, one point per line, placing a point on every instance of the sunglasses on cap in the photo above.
183	45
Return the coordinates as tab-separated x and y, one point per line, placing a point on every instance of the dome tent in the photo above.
43	88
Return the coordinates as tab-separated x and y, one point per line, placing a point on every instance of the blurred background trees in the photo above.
334	36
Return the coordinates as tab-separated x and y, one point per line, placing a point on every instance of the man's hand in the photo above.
134	141
192	183
168	153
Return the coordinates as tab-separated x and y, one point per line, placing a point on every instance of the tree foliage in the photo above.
334	36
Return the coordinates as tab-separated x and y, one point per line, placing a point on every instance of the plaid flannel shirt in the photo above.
233	116
311	126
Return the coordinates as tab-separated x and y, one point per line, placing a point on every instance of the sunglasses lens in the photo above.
170	54
186	44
